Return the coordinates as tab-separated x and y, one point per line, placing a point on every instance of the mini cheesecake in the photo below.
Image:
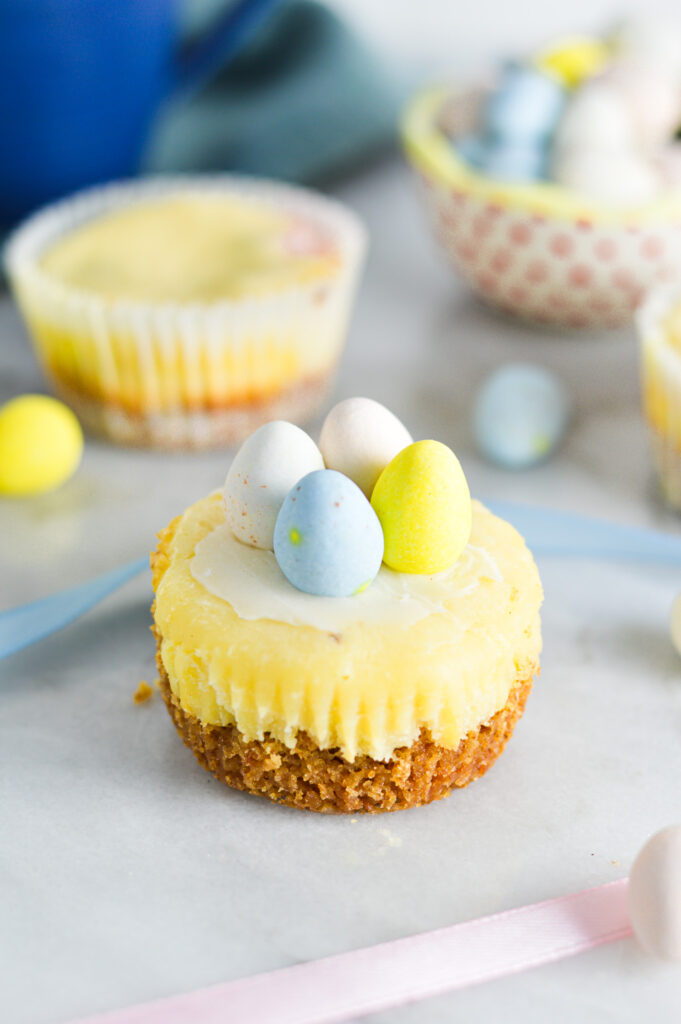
377	702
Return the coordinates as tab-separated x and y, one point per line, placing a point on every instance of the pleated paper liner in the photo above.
187	376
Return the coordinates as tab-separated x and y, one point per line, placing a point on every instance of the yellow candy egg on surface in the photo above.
423	503
41	444
573	60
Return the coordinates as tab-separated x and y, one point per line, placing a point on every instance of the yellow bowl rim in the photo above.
431	152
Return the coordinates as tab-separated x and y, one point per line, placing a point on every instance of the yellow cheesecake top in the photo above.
192	248
371	683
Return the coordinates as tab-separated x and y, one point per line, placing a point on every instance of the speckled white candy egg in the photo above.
596	118
608	177
264	470
521	413
654	894
359	438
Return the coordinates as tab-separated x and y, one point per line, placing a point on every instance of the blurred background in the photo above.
313	93
289	88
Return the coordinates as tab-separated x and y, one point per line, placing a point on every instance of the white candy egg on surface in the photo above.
264	470
613	178
596	118
359	438
521	414
652	98
654	894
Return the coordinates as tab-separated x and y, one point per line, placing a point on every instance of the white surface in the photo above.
128	872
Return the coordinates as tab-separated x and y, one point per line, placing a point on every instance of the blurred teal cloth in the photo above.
305	100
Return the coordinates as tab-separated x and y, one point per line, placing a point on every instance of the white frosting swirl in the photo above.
254	585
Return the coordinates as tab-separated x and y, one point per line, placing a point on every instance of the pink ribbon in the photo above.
391	974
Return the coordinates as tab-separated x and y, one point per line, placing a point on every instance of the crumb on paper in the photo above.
390	838
615	863
143	693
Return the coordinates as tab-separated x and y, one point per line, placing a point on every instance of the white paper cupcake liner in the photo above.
174	375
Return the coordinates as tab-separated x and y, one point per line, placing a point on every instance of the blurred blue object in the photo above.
304	100
524	107
508	161
280	88
81	81
25	625
472	149
521	415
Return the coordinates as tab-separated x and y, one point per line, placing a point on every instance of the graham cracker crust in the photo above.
193	429
312	779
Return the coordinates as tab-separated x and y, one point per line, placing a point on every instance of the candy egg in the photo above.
424	505
327	539
264	470
573	60
359	438
507	162
614	178
41	445
651	97
521	413
595	119
524	107
654	894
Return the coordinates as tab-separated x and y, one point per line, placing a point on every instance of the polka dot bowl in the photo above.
537	251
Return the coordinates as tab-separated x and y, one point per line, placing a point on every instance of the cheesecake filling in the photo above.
364	674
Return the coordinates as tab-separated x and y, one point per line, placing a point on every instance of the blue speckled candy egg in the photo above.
327	539
521	414
525	106
515	162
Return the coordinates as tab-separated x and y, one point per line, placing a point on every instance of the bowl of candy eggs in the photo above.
555	189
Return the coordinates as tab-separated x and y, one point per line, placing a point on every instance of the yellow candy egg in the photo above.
423	503
573	60
41	445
